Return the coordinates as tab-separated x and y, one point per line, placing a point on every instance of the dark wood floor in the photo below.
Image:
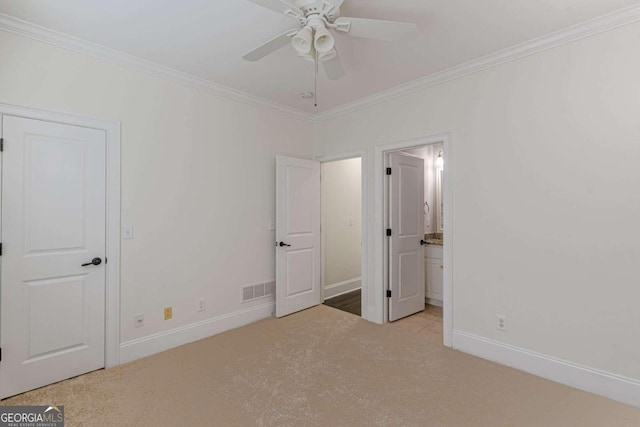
349	302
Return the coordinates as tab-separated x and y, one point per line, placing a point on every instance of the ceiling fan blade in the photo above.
375	29
269	47
334	68
279	6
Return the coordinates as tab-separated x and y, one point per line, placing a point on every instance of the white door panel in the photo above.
53	221
409	274
297	225
406	255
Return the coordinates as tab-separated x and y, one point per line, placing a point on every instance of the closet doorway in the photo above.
341	234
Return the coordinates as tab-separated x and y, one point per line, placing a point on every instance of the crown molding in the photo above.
65	41
558	38
576	32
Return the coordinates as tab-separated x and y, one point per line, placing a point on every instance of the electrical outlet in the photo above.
138	320
202	304
168	313
501	323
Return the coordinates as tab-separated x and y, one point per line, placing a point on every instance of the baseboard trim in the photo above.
156	343
622	389
340	288
433	301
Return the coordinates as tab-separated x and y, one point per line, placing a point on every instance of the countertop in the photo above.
434	239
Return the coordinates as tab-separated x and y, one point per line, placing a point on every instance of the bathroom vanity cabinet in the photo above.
434	268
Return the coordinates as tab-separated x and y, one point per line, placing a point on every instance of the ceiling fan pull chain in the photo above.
315	82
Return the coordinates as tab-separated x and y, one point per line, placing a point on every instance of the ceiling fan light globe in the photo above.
324	41
310	56
302	42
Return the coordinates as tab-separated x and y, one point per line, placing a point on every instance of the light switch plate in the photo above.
127	231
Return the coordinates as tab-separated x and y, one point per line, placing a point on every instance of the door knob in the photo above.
422	243
95	261
281	244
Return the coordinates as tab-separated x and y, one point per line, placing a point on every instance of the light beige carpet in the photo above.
323	367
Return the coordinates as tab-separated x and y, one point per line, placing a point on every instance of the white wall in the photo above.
198	178
341	221
545	194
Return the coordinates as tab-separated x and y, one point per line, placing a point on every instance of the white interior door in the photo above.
406	219
297	235
53	222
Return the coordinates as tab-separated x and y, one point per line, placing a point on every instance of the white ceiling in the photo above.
207	38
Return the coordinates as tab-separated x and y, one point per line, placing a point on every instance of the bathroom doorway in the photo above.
341	234
414	218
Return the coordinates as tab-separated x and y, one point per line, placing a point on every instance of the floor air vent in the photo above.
258	291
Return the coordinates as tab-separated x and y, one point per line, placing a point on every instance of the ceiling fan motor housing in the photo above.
308	6
321	8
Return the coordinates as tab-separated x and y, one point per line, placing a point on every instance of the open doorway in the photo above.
414	217
341	234
298	214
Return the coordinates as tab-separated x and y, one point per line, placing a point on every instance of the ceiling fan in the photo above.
312	39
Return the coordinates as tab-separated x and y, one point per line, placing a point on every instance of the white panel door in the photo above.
53	222
297	235
406	218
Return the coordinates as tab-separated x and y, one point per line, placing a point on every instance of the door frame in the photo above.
112	268
364	283
380	243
